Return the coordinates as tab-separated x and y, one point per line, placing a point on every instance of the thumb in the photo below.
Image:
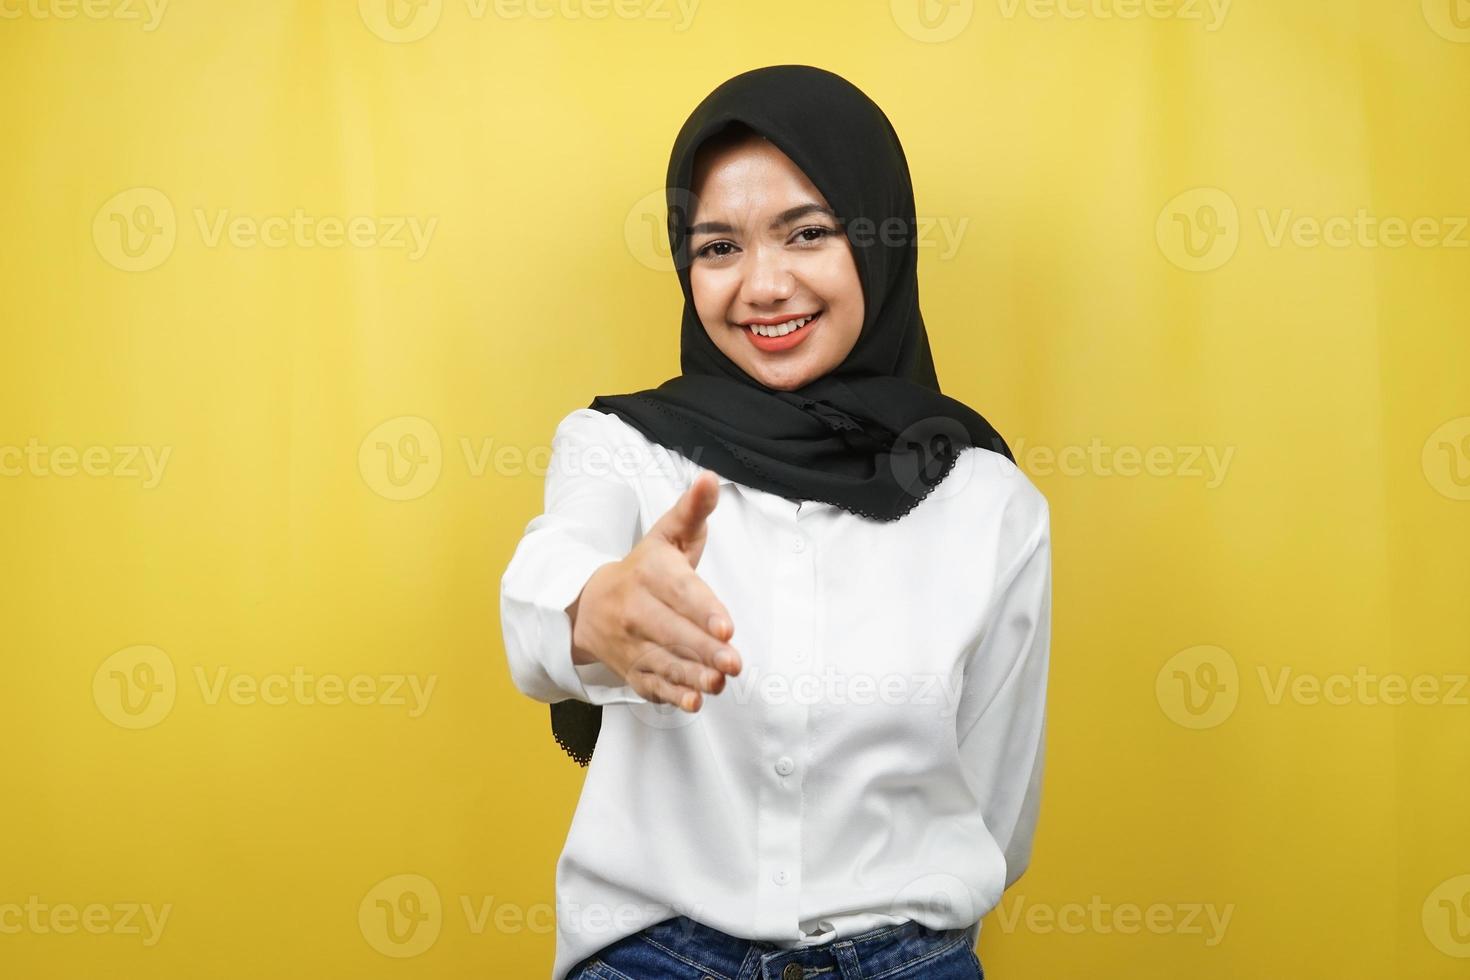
684	524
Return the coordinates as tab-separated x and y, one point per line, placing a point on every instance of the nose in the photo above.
768	279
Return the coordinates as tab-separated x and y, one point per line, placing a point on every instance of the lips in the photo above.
769	323
788	340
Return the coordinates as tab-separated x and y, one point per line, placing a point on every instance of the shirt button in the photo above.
798	545
780	877
793	971
800	656
784	765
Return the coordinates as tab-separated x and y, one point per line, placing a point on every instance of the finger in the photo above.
660	690
665	583
681	671
692	598
683	524
670	630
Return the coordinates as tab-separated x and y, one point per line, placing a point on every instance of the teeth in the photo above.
782	329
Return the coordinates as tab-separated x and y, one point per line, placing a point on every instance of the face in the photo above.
767	253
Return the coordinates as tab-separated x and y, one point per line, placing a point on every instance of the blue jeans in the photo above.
683	949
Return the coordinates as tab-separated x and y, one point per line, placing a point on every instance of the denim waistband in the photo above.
878	950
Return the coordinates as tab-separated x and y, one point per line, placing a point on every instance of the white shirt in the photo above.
879	756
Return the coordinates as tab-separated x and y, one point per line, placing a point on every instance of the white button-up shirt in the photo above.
879	756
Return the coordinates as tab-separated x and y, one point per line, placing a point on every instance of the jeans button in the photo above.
793	971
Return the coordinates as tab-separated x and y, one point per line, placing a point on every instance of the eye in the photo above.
813	234
708	251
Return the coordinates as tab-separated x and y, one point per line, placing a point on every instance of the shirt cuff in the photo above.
594	682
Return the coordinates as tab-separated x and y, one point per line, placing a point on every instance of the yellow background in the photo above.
1070	310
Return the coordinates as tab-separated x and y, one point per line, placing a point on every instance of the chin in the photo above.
785	382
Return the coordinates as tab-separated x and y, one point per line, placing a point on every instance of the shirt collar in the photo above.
742	488
695	469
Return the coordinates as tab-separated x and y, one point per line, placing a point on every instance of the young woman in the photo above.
797	598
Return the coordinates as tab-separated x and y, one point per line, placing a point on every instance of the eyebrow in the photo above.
784	218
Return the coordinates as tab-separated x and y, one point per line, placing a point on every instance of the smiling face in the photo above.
767	253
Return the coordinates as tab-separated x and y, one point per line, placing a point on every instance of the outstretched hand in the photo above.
651	619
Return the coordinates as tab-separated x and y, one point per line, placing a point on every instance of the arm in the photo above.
590	519
1001	722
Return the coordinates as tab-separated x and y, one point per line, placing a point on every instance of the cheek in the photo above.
835	280
712	295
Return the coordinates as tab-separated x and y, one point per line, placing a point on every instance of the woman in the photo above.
816	674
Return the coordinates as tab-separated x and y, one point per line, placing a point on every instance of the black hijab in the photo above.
873	436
